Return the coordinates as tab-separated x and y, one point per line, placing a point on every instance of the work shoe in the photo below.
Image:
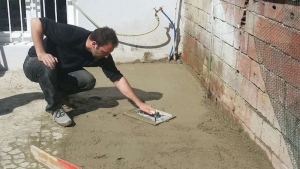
61	118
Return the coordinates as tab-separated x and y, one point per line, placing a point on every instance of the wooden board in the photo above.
50	161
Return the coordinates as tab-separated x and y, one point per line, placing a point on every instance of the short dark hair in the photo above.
104	35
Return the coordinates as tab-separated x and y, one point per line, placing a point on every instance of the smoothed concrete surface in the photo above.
201	136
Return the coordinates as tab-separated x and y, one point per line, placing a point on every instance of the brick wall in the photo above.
246	55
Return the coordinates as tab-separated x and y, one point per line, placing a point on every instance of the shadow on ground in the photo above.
2	72
106	97
8	104
103	97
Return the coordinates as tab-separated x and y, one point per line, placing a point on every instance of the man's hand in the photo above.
124	87
37	34
49	60
146	108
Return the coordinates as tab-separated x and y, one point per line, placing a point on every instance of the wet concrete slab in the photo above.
201	135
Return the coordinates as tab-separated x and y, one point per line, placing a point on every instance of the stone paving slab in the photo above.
23	122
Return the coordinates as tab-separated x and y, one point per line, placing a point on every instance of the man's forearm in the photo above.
37	35
125	88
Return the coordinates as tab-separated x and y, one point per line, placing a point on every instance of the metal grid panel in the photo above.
276	56
293	2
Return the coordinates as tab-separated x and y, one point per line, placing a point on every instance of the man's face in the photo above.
102	51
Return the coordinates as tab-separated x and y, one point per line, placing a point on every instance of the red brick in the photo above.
258	49
193	61
243	65
207	6
262	28
196	64
200	67
257	7
284	154
286	40
292	101
280	120
195	14
217	46
189	58
294	46
218	28
207	55
264	106
193	3
289	19
228	33
274	11
275	86
253	122
296	24
231	77
217	66
205	75
189	27
208	26
256	76
216	85
291	71
206	40
201	5
184	53
219	11
278	34
271	137
244	42
188	11
249	92
225	72
229	16
240	108
204	55
273	59
229	55
236	38
200	18
277	163
249	27
238	15
228	97
240	3
200	51
194	46
186	41
198	32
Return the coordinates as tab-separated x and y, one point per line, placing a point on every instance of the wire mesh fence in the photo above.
278	49
293	2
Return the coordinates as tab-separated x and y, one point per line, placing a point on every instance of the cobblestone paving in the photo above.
23	122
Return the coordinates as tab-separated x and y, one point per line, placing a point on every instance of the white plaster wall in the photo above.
132	17
126	17
12	56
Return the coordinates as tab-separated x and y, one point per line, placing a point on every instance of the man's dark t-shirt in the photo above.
67	44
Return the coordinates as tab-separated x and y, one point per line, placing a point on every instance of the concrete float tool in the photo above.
154	119
50	161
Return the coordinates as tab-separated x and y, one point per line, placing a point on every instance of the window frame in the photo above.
32	11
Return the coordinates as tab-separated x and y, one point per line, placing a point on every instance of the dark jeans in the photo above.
55	82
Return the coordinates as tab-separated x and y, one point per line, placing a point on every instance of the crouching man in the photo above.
57	62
